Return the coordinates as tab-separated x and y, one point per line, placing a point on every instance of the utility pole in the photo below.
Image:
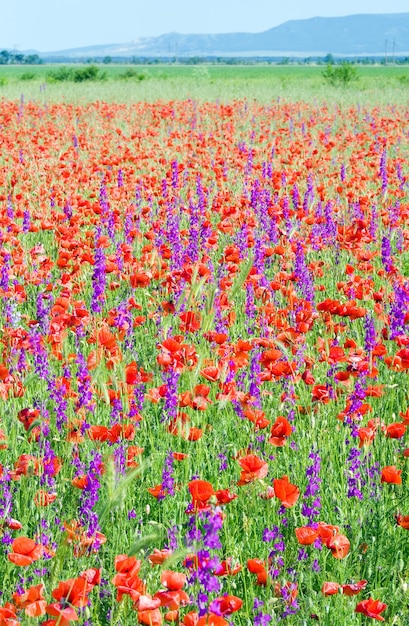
393	52
386	51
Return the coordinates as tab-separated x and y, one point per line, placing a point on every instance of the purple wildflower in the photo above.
98	276
312	505
168	481
386	254
383	173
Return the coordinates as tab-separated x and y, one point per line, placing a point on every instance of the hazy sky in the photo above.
47	25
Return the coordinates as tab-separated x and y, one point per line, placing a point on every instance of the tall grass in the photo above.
167	82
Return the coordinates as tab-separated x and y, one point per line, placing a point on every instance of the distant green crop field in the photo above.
130	83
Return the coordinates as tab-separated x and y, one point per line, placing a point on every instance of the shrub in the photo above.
27	76
131	73
343	74
60	74
79	75
91	72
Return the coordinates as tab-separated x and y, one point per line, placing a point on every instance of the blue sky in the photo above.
47	25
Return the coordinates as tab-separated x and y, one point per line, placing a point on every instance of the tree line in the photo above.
17	58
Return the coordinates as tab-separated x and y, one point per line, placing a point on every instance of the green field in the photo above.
130	83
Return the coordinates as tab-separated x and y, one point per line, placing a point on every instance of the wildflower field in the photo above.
204	363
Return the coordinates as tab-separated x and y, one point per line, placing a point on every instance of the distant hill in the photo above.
355	35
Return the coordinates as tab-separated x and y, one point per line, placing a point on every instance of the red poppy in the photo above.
92	576
172	580
121	431
147	603
352	589
176	355
32	601
257	416
150	617
194	434
25	551
139	279
326	531
25	465
200	399
27	417
159	556
189	322
80	482
179	456
371	608
307	377
191	619
270	356
320	393
201	492
129	583
211	373
286	492
179	427
395	430
226	605
8	615
43	498
65	617
330	588
14	524
171	616
280	430
256	566
228	568
405	416
253	468
366	435
339	546
390	474
306	535
73	590
125	564
224	496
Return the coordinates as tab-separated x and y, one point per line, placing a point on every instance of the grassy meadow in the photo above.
204	347
132	83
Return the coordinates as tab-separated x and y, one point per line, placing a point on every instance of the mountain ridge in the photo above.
360	34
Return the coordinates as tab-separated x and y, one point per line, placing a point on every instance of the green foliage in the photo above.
60	74
27	76
404	79
91	72
329	59
4	57
340	75
8	58
79	75
3	81
33	59
132	74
